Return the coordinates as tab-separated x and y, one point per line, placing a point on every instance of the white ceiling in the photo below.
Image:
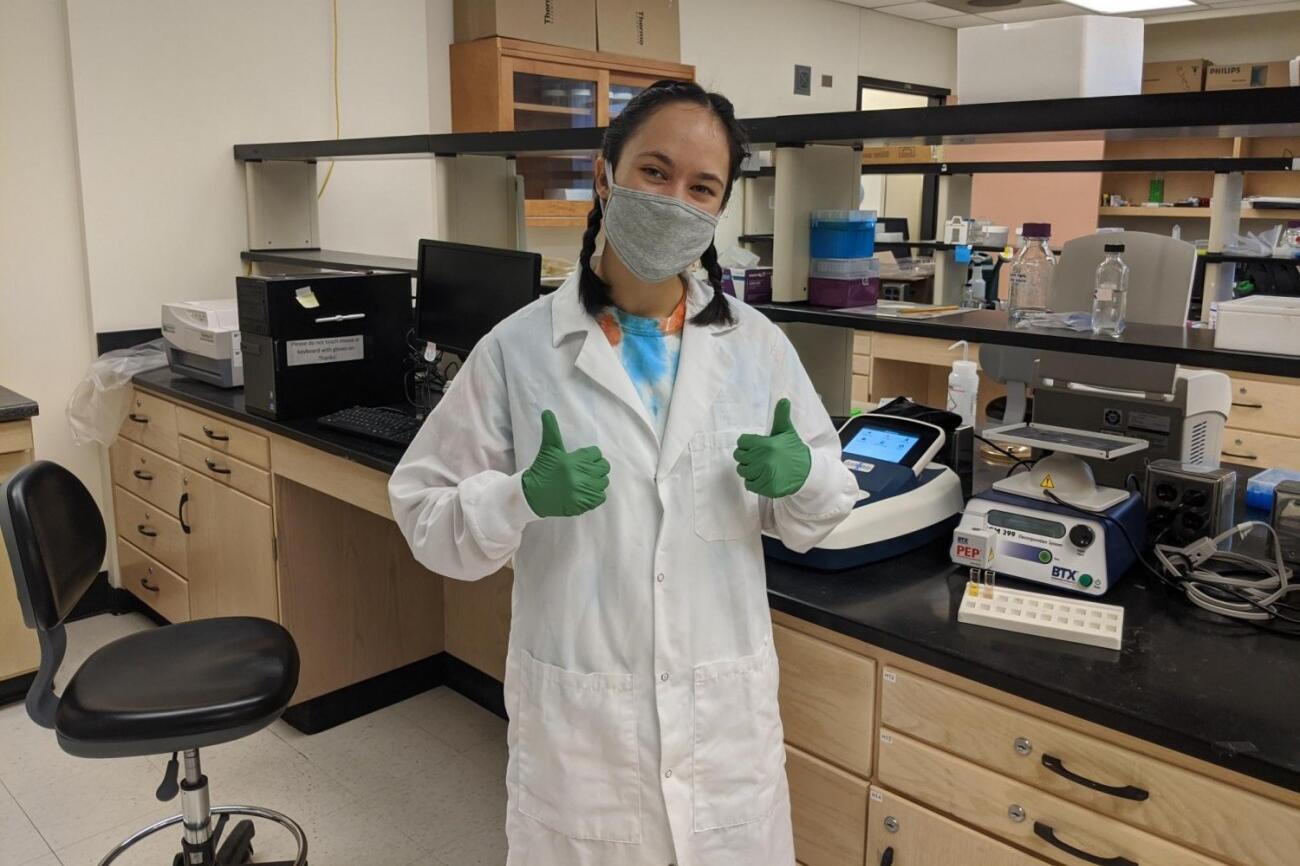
957	13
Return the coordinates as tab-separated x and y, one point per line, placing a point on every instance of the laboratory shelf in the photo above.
1216	258
1247	213
1218	165
756	238
333	259
1158	343
1250	113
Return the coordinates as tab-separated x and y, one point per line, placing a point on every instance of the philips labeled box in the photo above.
314	343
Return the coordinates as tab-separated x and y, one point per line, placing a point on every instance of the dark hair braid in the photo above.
591	288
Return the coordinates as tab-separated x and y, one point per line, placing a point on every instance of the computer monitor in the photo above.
463	291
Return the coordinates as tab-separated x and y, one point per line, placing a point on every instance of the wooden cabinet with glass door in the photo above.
504	84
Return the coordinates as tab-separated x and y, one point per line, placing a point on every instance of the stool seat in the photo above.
179	687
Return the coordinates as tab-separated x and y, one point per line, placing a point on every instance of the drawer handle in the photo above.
1048	835
144	581
139	419
887	857
216	467
1240	456
1248	405
214	435
146	530
1128	792
142	475
180	512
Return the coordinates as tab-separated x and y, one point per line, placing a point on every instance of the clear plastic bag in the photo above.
99	403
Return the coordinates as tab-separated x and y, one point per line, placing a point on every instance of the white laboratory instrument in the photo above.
1053	524
903	500
201	339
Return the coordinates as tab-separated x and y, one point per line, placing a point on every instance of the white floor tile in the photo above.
106	794
352	836
157	850
30	756
484	848
452	717
460	799
44	860
19	841
87	635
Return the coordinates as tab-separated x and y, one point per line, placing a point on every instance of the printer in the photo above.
321	341
201	339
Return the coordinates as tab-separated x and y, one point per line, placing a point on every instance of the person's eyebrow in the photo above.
667	160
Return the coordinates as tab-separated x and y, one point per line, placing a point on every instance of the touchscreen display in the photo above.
873	443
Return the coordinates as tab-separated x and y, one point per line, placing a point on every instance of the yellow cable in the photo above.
337	120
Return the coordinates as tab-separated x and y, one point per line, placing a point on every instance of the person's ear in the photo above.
602	183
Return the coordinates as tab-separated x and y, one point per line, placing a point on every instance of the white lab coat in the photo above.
641	682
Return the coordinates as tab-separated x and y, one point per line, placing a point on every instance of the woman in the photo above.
641	683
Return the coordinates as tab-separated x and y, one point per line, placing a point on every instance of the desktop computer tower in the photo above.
317	342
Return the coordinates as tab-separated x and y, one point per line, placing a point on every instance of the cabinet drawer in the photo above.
227	470
914	836
917	350
1051	827
153	583
1265	406
829	810
150	476
151	529
828	698
861	389
1260	449
862	342
151	421
1180	804
861	365
222	436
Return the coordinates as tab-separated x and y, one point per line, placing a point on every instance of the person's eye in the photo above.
652	172
703	190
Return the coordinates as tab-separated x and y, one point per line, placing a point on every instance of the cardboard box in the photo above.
1174	76
1244	76
642	28
552	22
900	153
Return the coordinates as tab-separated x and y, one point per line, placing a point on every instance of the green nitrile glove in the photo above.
564	483
775	465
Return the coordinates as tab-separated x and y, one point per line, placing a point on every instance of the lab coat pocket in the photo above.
738	752
724	509
577	752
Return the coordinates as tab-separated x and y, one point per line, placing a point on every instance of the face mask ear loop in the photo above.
609	181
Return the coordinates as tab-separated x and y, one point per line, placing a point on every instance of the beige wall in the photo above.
45	331
1241	39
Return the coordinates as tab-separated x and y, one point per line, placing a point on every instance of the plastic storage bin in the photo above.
751	285
842	234
1260	487
843	282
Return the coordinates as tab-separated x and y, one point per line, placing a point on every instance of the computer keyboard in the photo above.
380	423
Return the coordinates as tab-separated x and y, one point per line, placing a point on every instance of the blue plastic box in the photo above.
1259	489
842	234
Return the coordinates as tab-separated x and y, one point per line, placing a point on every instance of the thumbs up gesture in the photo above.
564	483
775	465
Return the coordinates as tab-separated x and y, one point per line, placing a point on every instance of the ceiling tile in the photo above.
920	11
957	22
1034	13
983	7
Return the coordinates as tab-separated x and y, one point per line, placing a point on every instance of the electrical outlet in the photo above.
828	81
802	80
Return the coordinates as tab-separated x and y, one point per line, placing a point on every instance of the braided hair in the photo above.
591	288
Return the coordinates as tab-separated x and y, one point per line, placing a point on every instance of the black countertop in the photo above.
1164	343
15	407
1223	692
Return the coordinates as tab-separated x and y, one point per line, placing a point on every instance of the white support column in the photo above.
281	201
808	178
1225	223
949	276
478	200
826	353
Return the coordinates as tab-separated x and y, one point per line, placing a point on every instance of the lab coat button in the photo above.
663	677
668	774
660	577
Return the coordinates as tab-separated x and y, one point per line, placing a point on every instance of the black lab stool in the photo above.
175	689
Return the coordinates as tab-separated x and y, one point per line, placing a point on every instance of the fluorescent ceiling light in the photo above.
1120	7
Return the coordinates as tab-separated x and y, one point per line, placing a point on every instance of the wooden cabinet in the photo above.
229	471
506	84
152	582
829	810
151	422
148	475
19	653
231	551
222	436
904	834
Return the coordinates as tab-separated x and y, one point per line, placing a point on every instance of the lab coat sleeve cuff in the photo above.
827	494
496	511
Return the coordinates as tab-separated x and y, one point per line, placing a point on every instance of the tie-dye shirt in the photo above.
649	350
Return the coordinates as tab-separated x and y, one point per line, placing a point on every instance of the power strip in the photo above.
1037	613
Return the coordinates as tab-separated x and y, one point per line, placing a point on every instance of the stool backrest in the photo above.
55	537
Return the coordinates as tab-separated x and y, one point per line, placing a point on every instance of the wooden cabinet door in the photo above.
231	551
904	834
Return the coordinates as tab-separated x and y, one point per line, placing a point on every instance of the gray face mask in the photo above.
656	236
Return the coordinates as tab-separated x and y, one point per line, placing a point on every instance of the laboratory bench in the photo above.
910	737
19	653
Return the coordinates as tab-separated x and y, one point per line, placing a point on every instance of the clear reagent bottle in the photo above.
1031	272
1110	295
